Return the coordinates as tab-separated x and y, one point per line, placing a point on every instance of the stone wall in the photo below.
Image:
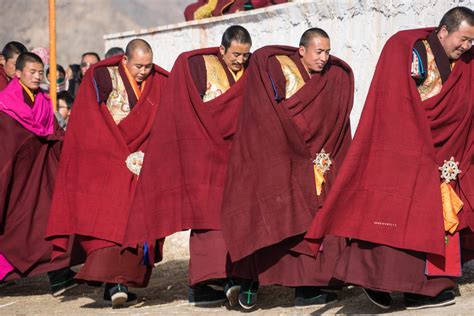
358	31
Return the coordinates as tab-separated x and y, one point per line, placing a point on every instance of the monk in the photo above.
29	156
293	134
10	53
100	166
188	152
404	195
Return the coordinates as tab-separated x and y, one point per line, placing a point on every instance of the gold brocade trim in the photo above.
205	11
117	103
237	75
432	84
452	205
217	82
294	79
28	91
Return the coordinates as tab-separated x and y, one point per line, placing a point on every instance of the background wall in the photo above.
358	31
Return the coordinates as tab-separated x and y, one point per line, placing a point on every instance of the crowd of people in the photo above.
251	152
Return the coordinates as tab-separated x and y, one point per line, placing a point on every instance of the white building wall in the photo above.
358	31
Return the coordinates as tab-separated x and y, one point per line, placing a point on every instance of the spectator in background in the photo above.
65	101
60	78
73	79
10	52
114	51
87	60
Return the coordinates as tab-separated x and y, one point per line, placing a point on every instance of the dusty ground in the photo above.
167	294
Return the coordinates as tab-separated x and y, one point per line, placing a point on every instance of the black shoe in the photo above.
119	295
248	294
232	290
202	294
61	281
306	296
379	298
417	301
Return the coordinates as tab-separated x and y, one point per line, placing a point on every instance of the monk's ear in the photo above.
222	50
302	51
124	60
443	32
18	73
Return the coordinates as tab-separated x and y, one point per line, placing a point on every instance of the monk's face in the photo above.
457	42
316	55
10	65
139	64
236	55
31	75
87	61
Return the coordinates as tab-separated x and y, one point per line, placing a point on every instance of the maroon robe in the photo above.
95	188
183	176
387	197
27	175
206	265
3	78
270	195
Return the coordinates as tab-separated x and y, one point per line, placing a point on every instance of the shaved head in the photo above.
138	45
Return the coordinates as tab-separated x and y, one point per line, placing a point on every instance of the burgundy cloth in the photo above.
116	265
27	174
37	119
208	257
278	265
270	192
3	78
183	176
388	269
94	190
388	190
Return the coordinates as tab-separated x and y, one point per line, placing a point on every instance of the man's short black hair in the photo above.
235	33
114	51
91	53
454	17
27	57
310	33
12	49
67	97
59	68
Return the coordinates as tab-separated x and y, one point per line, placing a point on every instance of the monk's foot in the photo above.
232	290
203	294
248	294
119	296
416	301
307	296
379	298
61	281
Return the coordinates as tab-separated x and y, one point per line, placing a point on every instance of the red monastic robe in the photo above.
270	194
388	190
28	165
95	188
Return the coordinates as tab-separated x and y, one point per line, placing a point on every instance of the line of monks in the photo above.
253	154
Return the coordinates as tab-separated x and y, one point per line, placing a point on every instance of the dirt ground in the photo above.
167	294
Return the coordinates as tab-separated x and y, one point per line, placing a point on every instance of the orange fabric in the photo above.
28	91
319	179
452	204
134	84
238	74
